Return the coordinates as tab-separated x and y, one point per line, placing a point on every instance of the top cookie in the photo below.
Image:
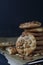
30	24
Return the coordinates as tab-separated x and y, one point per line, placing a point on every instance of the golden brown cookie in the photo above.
39	38
6	44
35	30
40	43
26	44
39	34
38	51
39	48
30	24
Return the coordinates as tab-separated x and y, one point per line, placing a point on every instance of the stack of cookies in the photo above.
35	29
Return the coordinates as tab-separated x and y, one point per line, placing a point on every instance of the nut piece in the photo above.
11	50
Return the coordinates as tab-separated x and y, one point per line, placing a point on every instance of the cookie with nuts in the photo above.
30	25
25	45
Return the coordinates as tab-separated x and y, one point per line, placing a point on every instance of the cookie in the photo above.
38	51
38	34
39	48
35	30
33	33
11	50
6	44
30	25
40	43
26	44
39	38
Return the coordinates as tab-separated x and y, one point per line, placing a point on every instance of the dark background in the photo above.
14	12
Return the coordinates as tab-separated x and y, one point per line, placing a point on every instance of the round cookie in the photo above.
30	24
39	38
6	44
35	30
40	43
25	45
39	48
39	34
33	33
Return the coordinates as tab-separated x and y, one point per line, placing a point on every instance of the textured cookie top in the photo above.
26	44
30	24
